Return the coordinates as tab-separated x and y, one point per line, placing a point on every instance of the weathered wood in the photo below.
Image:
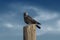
29	32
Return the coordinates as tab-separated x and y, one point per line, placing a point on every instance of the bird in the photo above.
29	20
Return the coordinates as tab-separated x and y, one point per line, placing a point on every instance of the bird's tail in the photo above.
38	26
38	23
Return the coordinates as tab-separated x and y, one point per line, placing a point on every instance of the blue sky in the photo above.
47	12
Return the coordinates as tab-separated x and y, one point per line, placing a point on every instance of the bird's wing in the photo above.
32	20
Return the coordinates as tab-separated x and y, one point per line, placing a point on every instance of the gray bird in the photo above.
30	20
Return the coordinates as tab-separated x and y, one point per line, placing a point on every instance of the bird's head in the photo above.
25	13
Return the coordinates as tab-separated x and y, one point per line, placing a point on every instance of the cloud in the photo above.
48	29
58	23
9	25
45	15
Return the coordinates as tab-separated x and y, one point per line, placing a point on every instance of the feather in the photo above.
30	20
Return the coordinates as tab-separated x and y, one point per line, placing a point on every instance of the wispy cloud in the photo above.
58	23
8	25
46	15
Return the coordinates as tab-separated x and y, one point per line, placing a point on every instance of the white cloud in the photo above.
47	16
42	31
58	23
48	29
9	25
42	15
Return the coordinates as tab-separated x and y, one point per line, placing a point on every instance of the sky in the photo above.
47	12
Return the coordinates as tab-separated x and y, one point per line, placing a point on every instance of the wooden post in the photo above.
29	32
